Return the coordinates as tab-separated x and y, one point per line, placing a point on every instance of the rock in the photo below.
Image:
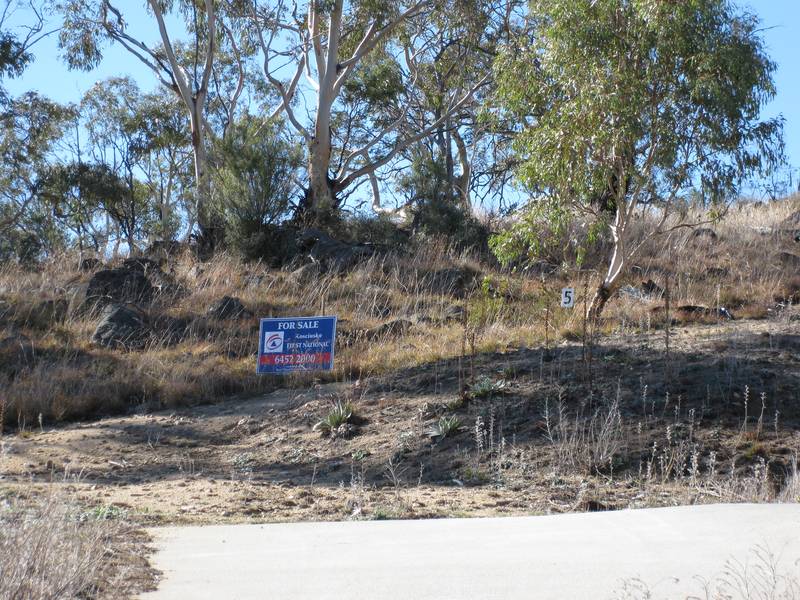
307	273
704	232
716	272
649	290
121	326
787	259
16	352
452	281
114	286
90	264
332	255
793	220
393	328
228	307
454	312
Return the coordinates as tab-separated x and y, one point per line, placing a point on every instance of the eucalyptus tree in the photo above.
634	102
185	68
29	131
332	65
463	40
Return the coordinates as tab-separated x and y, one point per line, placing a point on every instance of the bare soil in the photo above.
723	405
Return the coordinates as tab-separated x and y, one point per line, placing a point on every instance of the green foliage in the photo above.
445	427
253	181
436	211
341	413
634	102
29	129
487	388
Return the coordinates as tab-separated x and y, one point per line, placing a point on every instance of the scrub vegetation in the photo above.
432	173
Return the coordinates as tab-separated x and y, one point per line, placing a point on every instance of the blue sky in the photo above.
780	18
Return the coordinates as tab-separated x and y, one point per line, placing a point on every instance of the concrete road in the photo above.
573	556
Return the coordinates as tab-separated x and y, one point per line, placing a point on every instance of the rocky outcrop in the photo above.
228	307
121	326
331	255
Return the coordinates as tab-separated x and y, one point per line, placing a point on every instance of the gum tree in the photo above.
341	70
87	26
626	106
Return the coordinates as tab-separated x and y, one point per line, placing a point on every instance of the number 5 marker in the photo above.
567	297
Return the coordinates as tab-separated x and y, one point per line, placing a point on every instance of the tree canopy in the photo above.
628	104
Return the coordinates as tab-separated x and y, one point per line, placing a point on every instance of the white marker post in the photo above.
567	297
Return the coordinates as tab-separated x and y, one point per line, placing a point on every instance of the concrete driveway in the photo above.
572	556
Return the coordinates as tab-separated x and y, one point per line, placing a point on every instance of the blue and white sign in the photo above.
296	344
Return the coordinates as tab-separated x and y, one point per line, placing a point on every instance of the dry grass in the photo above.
49	549
761	576
66	377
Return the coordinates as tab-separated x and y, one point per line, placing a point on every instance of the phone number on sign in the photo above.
296	359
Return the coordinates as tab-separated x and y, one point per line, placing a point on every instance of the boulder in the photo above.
228	307
115	286
393	328
90	264
787	259
121	326
332	255
451	281
704	233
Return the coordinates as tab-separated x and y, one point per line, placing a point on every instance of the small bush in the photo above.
51	550
445	427
340	414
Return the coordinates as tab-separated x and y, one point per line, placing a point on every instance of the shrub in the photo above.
253	182
340	414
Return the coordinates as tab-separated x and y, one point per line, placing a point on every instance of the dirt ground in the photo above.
715	418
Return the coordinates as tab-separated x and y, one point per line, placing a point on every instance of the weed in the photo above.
445	427
340	414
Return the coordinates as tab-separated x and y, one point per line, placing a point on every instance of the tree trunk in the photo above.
321	202
616	266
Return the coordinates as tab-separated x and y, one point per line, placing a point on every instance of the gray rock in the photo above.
704	232
228	307
121	327
115	286
452	281
332	255
393	328
788	259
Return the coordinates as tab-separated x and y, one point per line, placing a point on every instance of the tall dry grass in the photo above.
49	549
447	302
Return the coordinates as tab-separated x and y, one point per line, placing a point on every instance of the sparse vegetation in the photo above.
340	414
49	549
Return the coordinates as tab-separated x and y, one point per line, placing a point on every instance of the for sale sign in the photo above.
296	344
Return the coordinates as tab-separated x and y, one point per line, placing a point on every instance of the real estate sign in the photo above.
296	344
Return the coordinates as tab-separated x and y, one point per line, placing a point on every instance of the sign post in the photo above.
567	297
296	344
